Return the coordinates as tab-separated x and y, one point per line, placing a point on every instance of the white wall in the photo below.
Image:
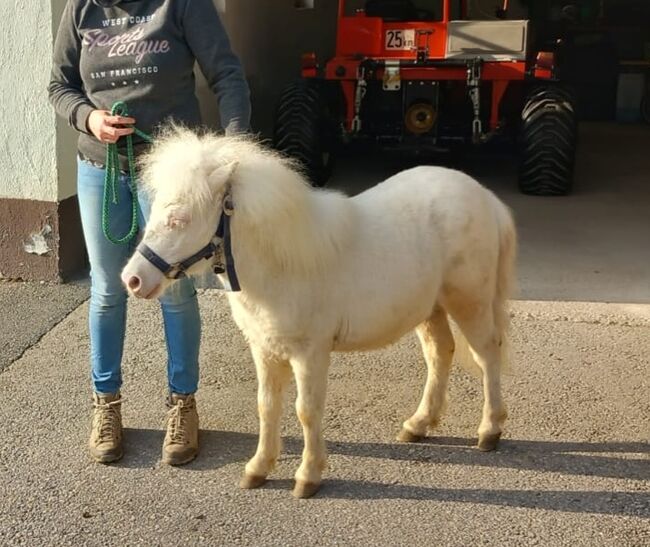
66	139
27	156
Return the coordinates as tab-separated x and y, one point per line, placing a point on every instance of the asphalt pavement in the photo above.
573	468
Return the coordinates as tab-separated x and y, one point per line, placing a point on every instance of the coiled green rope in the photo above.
112	179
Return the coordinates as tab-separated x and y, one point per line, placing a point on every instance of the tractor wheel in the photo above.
305	129
548	140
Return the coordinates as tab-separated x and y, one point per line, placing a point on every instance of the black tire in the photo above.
548	140
305	129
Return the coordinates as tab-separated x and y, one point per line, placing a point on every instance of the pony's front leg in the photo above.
273	375
311	381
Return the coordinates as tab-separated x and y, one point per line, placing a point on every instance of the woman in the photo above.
141	52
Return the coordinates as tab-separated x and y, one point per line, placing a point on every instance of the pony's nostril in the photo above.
134	283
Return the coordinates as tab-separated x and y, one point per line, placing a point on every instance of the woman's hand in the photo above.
108	128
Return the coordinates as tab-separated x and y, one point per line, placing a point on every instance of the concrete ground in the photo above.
573	469
30	310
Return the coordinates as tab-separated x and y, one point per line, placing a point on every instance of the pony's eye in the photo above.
175	222
176	217
178	223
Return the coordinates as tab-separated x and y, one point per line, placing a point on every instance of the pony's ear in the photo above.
221	175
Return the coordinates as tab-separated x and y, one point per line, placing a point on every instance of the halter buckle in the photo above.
227	205
176	271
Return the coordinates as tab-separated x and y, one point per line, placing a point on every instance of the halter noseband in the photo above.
179	269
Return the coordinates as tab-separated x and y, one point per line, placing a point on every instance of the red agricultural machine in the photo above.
424	75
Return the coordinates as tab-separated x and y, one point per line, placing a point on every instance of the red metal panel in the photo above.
309	73
503	70
360	36
346	68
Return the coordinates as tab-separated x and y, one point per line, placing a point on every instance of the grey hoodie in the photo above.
142	52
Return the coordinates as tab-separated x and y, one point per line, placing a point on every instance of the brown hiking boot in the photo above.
182	438
105	443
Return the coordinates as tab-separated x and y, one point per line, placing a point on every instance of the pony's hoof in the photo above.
488	442
405	436
251	481
304	490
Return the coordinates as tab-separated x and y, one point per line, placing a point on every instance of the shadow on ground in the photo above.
221	448
606	503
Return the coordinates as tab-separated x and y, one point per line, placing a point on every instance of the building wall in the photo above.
27	164
39	236
66	137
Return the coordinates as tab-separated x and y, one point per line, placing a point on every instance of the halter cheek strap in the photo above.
223	234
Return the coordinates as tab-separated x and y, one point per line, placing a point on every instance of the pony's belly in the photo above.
385	311
377	330
371	341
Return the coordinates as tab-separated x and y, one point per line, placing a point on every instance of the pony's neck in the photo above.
282	227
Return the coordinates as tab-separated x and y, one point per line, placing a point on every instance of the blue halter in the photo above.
223	235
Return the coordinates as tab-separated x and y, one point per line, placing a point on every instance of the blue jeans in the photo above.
108	296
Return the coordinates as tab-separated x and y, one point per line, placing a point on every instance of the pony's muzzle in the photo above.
141	279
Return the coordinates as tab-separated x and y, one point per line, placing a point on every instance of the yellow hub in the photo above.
420	118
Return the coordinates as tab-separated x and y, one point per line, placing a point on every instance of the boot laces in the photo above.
109	419
176	420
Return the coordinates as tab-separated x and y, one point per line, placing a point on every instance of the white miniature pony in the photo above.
322	272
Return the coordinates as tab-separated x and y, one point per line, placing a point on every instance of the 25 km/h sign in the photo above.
397	39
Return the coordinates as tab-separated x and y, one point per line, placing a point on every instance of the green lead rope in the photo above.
112	180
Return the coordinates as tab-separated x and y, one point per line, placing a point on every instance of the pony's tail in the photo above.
505	281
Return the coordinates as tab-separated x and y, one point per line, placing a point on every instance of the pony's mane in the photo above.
178	162
294	226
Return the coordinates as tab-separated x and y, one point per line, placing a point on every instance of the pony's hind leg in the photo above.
438	347
272	376
485	341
